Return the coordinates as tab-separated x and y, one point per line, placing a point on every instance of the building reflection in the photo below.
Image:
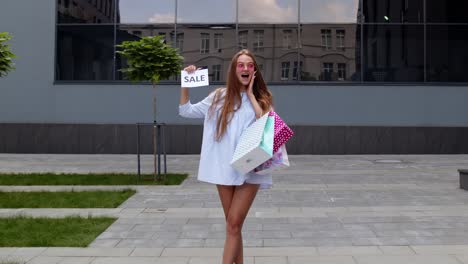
322	53
285	52
85	55
86	11
329	52
387	42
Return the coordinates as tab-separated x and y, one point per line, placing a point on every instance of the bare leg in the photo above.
226	192
236	201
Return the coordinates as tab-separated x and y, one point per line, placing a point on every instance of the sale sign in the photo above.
195	79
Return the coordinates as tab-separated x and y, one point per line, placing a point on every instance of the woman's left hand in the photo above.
253	100
251	83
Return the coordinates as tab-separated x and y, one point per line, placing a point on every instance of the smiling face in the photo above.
245	68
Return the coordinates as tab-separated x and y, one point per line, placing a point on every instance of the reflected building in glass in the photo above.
294	40
86	11
328	53
321	52
85	40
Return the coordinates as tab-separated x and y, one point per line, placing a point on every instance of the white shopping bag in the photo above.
250	150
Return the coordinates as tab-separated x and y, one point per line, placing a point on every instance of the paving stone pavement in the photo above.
323	209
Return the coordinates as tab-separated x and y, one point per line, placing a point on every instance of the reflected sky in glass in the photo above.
329	11
146	11
224	11
268	11
206	11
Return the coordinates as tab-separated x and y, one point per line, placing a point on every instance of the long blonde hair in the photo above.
232	97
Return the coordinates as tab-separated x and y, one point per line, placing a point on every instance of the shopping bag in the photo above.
255	145
279	161
282	132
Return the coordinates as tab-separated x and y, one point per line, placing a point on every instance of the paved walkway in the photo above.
324	209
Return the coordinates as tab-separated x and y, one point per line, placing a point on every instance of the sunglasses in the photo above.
241	66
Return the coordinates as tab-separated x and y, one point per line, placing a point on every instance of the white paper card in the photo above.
196	79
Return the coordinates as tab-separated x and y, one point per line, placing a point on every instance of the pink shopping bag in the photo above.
282	132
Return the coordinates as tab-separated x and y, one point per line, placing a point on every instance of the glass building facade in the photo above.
295	41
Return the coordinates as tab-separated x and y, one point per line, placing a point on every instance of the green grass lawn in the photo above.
86	179
85	199
48	232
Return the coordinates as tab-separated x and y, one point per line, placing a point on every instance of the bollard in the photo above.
463	179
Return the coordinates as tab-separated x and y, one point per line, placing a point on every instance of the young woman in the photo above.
227	112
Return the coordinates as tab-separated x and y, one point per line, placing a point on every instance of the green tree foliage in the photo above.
6	56
150	59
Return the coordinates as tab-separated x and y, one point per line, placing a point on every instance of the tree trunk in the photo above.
155	141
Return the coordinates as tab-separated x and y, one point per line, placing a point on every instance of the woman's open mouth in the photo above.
245	76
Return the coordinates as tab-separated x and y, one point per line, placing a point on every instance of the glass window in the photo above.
447	53
326	39
80	12
391	11
295	70
220	11
268	12
135	32
145	11
329	11
340	39
393	53
327	71
222	55
258	40
318	54
329	48
179	41
218	41
204	43
85	53
287	39
341	71
216	72
285	70
243	38
453	11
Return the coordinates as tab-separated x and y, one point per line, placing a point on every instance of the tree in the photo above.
150	59
6	56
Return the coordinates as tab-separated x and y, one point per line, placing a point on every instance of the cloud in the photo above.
162	18
266	11
250	11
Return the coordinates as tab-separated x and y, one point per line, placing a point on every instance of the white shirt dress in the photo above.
215	155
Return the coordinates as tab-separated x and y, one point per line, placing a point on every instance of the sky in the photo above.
250	11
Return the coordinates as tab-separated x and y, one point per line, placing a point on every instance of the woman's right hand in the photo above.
184	92
190	69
